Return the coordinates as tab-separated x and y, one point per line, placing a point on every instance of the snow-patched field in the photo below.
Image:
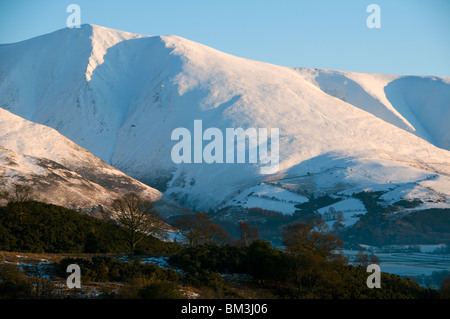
268	197
349	207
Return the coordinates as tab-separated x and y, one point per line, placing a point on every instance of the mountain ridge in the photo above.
62	172
123	94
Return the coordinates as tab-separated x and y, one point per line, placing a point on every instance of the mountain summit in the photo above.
121	95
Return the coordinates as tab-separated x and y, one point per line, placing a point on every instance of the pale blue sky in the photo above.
414	38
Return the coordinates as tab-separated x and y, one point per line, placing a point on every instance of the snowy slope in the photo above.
121	95
417	104
62	172
51	182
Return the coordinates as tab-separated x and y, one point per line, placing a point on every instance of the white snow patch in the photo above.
269	197
349	207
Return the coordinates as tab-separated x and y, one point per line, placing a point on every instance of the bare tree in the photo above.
362	259
138	218
444	291
338	225
311	238
310	248
19	193
247	232
198	229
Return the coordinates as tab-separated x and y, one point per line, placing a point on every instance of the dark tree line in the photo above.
39	227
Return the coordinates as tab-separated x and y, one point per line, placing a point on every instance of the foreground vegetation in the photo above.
209	266
39	227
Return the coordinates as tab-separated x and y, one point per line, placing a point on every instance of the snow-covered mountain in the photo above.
120	96
61	172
